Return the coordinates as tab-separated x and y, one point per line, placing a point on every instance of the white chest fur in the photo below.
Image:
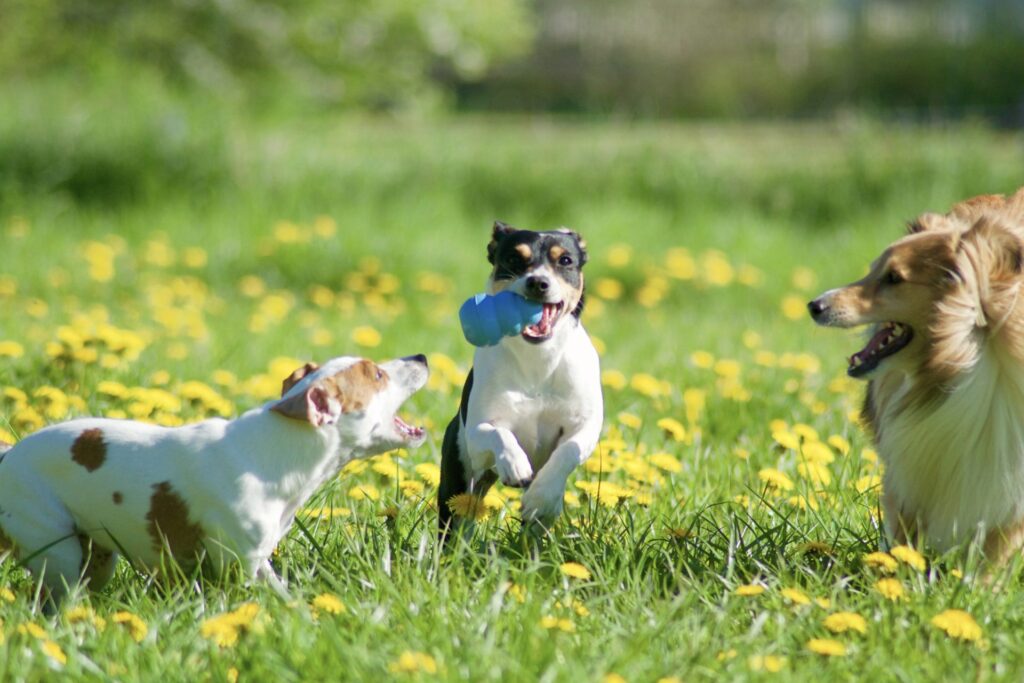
959	466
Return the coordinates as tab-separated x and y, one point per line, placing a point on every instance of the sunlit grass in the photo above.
726	527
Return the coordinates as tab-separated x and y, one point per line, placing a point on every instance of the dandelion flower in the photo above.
136	627
614	379
672	428
328	603
468	506
366	336
841	622
957	624
410	662
774	479
666	462
770	663
53	651
909	556
881	561
796	596
575	570
551	622
826	647
225	629
890	589
749	590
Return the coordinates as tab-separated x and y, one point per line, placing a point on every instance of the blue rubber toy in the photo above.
486	319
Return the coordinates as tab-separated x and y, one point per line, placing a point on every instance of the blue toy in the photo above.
486	319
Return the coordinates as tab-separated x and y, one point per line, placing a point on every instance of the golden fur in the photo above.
947	407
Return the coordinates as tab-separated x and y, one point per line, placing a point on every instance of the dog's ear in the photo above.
580	242
294	378
1003	246
314	405
926	221
497	234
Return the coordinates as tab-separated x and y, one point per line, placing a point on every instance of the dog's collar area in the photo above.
887	340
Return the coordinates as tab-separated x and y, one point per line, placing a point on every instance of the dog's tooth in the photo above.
855	361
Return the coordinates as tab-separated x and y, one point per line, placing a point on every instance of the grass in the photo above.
310	239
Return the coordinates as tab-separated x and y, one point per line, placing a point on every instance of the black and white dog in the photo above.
531	409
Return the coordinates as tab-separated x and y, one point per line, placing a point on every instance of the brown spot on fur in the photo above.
118	498
294	378
168	525
556	251
1003	543
524	251
355	386
89	449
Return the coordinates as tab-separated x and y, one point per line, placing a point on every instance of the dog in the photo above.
531	409
945	370
75	495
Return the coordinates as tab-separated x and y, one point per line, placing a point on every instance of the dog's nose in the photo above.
418	358
537	285
817	308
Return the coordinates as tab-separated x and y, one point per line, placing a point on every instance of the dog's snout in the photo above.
817	308
537	285
418	358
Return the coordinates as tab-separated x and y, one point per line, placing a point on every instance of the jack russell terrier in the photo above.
75	494
531	408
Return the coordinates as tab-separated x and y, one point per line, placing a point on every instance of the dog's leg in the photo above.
496	446
542	502
47	542
266	573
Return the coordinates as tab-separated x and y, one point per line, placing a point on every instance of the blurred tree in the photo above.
372	54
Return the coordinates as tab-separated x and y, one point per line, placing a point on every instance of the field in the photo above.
181	266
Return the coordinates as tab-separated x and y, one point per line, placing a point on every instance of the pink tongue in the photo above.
541	328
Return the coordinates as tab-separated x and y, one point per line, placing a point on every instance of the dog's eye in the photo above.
565	260
892	278
380	374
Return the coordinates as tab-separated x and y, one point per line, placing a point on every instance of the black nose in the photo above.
537	285
419	358
817	308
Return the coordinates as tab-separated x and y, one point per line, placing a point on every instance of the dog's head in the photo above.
358	398
546	267
934	295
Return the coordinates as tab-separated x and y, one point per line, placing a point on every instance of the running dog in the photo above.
945	370
531	408
76	494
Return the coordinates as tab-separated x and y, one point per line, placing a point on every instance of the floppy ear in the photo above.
497	234
294	378
1001	244
580	242
926	221
314	405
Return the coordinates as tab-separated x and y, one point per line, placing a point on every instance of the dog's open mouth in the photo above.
408	432
542	330
887	340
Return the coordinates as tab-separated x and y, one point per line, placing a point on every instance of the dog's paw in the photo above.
515	472
542	504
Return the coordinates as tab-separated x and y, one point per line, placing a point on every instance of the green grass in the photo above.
805	206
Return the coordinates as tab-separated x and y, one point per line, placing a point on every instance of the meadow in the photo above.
168	263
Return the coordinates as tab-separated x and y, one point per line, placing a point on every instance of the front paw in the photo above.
542	504
515	473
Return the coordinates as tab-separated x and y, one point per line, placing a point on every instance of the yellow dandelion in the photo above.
224	629
666	462
749	590
469	506
702	359
774	479
826	647
957	624
770	663
841	622
326	602
909	557
786	439
366	336
630	420
613	678
364	492
890	589
53	651
614	379
552	622
575	570
136	627
410	662
6	595
794	307
11	349
608	288
839	443
882	561
672	428
795	596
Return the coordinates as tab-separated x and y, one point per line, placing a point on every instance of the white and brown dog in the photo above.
531	409
945	371
76	494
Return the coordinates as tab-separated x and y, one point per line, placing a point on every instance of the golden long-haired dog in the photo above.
945	371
